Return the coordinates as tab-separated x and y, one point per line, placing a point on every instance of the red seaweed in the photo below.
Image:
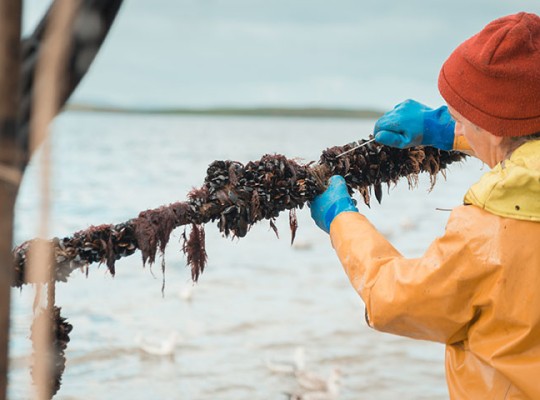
195	250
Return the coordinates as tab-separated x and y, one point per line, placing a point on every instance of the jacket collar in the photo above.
512	188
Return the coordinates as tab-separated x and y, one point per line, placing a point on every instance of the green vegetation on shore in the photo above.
306	112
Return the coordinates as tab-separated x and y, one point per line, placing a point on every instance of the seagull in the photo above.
407	224
317	388
186	293
161	349
314	382
298	364
312	385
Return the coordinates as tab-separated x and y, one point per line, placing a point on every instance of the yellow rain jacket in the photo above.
476	288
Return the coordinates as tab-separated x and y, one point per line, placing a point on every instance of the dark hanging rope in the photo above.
236	196
59	336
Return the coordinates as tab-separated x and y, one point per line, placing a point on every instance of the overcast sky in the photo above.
350	53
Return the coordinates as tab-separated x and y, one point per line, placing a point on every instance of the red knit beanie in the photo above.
493	78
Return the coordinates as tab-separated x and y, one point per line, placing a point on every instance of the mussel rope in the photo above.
237	196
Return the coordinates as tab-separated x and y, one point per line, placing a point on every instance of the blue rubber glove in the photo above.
411	124
326	206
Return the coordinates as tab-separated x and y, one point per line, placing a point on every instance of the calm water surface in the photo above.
258	300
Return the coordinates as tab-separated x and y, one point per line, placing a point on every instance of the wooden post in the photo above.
10	164
46	101
16	100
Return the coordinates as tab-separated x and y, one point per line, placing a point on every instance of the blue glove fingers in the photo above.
394	139
401	127
388	122
411	123
337	188
336	199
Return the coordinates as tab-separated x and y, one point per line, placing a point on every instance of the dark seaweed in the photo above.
60	330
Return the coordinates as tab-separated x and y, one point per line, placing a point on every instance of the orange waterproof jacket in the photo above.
476	288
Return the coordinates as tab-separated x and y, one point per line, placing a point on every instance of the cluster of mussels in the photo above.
371	165
259	190
59	334
237	196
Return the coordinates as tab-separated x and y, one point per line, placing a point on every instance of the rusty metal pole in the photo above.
10	164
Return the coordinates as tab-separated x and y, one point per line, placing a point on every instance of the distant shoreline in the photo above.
306	112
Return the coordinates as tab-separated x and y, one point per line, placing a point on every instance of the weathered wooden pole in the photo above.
18	64
11	164
46	103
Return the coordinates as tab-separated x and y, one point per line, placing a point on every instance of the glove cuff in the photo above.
341	205
439	129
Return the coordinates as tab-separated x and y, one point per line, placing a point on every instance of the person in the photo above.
477	287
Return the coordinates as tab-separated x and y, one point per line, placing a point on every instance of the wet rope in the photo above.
236	196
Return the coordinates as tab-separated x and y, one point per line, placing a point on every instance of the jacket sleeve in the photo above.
433	297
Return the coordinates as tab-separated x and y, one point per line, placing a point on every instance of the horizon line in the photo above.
263	111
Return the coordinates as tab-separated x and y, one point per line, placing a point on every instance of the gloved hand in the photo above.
411	124
326	206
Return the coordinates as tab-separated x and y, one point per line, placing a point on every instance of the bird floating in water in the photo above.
164	348
186	293
317	387
288	367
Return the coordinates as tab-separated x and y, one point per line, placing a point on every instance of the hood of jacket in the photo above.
512	188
